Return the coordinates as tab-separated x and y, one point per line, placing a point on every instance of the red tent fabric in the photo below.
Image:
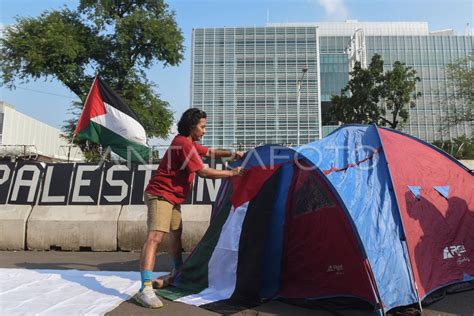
438	229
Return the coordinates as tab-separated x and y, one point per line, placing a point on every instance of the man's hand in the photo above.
239	154
239	171
210	173
218	153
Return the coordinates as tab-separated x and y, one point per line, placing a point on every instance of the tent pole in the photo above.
418	295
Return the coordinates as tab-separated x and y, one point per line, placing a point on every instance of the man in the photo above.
168	189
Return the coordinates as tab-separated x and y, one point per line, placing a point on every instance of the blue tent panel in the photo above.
274	244
355	166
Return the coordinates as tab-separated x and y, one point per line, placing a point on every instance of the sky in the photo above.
49	101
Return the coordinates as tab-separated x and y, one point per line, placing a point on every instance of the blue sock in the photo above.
147	278
178	263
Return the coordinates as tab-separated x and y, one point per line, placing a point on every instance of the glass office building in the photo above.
246	79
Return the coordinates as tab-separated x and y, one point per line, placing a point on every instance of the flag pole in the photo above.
71	142
107	152
85	102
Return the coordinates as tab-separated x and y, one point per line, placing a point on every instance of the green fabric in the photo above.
173	293
194	275
121	146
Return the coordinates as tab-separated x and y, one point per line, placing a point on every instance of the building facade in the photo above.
23	136
246	79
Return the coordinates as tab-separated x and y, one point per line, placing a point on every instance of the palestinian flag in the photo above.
224	272
107	120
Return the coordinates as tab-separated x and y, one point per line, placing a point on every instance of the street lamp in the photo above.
298	99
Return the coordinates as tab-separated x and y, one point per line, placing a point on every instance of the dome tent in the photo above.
367	213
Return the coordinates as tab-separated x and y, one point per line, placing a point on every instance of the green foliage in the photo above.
92	153
398	91
371	93
461	78
119	39
145	30
55	44
461	147
358	102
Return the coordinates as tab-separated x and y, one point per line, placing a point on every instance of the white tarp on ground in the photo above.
65	292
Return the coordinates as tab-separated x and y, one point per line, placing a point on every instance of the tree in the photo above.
461	78
398	91
358	102
119	39
371	92
461	147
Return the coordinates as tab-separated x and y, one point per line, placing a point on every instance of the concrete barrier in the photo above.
13	226
73	227
195	223
132	227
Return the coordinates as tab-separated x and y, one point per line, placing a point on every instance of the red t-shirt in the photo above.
175	174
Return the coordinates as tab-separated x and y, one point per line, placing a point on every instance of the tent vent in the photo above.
443	190
416	190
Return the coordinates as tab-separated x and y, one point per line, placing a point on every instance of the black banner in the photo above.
88	184
26	183
205	190
116	185
56	184
141	176
7	170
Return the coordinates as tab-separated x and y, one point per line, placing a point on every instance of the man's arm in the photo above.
218	153
219	174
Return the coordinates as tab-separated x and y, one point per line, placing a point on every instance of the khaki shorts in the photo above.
162	215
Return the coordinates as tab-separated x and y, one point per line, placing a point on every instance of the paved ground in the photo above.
454	304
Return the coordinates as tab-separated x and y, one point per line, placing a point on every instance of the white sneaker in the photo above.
148	298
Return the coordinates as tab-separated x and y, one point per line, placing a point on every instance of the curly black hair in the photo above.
189	120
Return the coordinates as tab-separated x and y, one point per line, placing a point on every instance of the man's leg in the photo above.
146	296
176	247
160	214
159	219
148	254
